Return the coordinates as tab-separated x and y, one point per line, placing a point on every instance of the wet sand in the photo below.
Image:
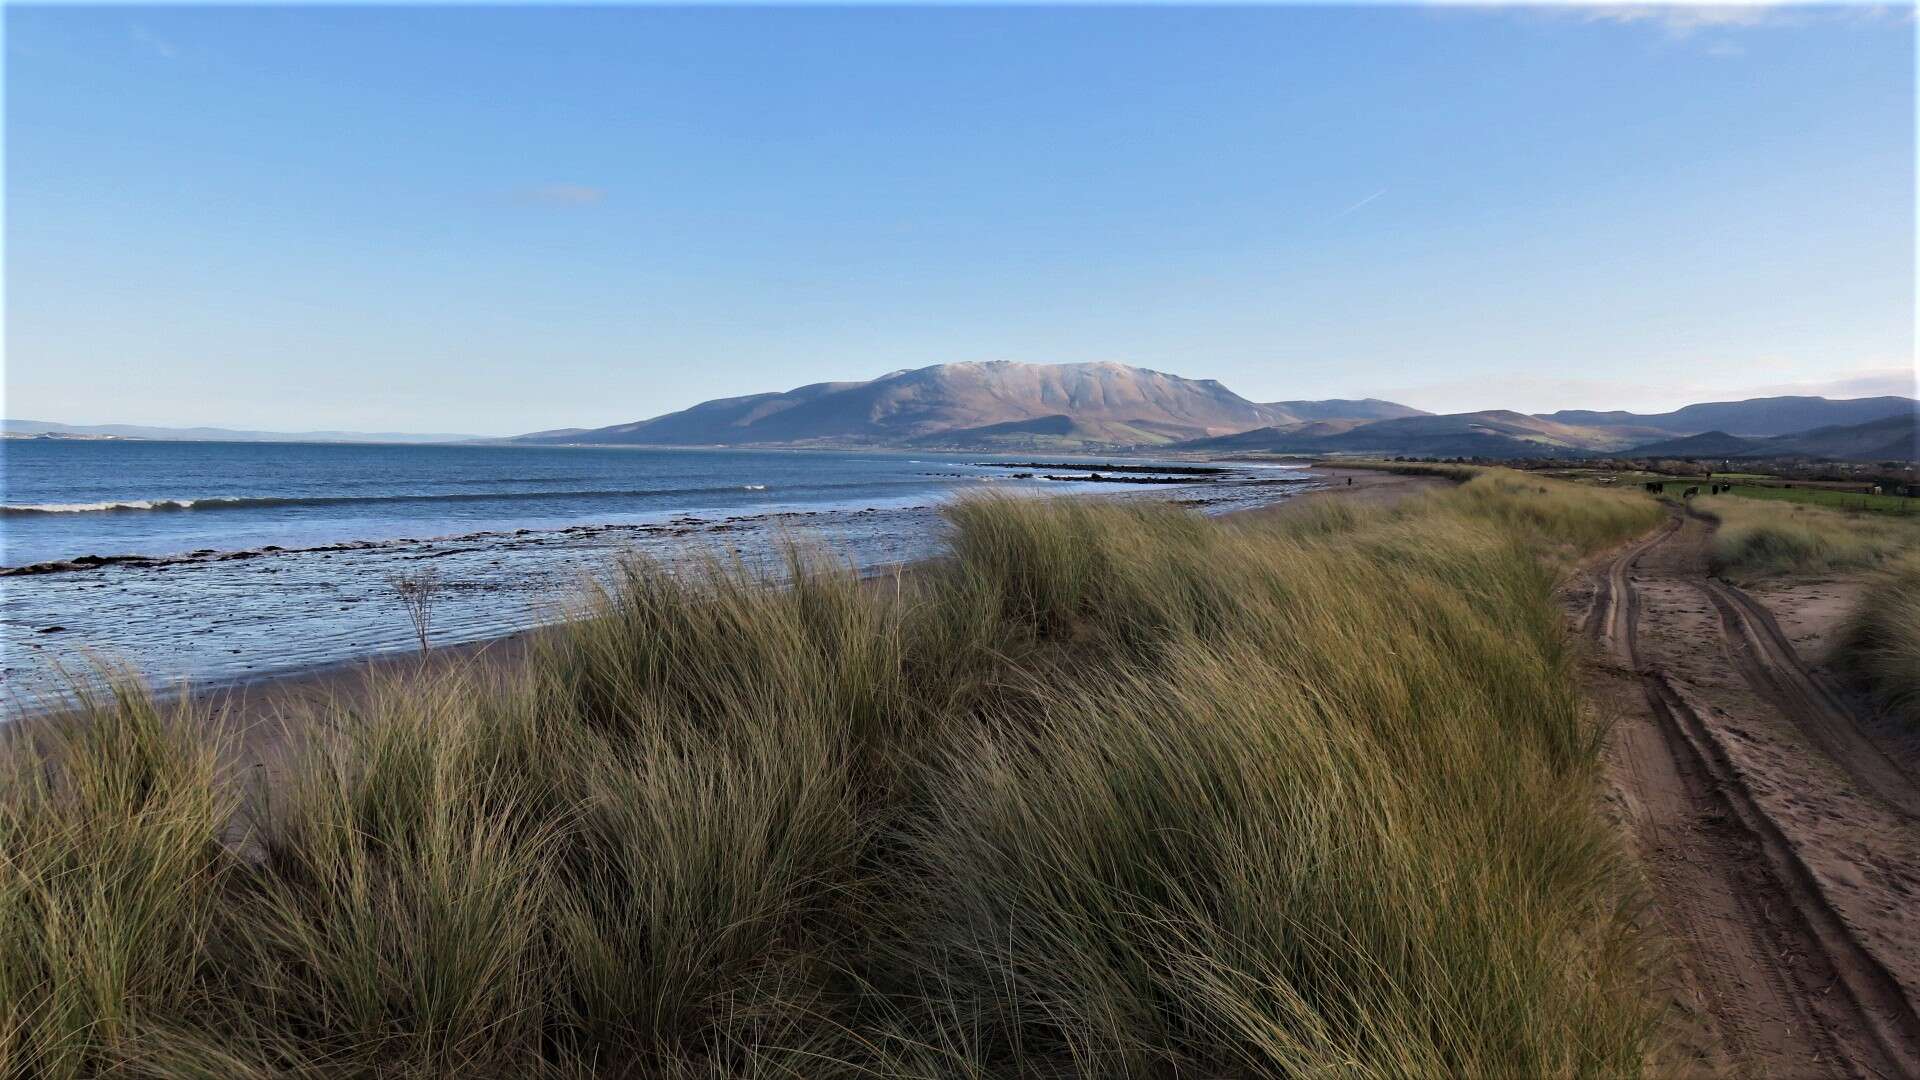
1362	487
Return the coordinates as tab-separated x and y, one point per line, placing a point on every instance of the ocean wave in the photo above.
243	502
92	508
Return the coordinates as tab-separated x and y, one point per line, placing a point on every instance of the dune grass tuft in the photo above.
1758	539
1882	646
1115	791
110	870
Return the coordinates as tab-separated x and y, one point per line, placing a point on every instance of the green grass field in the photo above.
1836	500
1115	791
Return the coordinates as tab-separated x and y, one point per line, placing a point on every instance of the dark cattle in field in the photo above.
1691	492
1655	486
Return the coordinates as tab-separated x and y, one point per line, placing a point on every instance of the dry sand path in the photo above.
1781	841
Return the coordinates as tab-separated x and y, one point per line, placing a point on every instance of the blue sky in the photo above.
502	219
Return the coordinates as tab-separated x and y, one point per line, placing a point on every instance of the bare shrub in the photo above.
416	590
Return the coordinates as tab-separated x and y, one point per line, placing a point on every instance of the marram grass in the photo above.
1761	538
1116	791
1882	646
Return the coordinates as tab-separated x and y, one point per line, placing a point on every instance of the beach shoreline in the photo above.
259	576
252	704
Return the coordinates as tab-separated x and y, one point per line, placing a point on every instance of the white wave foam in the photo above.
99	507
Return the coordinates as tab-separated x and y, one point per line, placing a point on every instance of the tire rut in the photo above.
1774	669
1787	985
1874	1004
1610	620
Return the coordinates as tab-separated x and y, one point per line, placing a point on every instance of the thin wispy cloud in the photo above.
564	194
1687	19
153	43
1684	19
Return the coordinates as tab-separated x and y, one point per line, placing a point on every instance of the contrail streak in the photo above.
1358	205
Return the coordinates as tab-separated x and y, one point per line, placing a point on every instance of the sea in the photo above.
216	562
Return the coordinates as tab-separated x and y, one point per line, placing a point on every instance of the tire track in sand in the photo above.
1775	975
1774	669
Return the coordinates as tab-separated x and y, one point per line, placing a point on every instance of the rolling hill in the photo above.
1345	409
1056	432
1892	438
1292	438
1492	433
1752	417
1712	444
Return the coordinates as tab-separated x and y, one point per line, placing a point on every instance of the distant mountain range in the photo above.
213	434
1501	434
1017	406
1010	406
997	404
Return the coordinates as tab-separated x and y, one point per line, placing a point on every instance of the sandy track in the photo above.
1779	841
1768	658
